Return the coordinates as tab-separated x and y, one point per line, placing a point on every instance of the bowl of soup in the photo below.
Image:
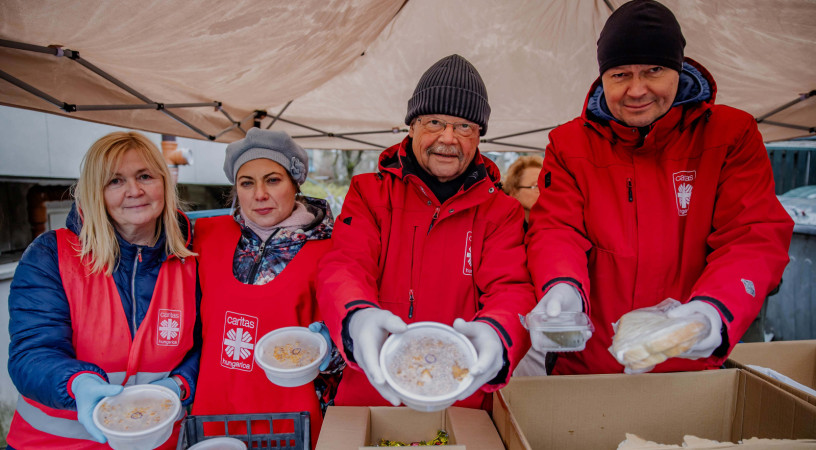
291	356
428	365
140	417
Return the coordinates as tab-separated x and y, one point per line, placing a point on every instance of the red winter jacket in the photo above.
395	247
687	212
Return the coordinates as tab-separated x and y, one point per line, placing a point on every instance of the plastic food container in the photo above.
220	443
140	417
567	332
428	365
291	356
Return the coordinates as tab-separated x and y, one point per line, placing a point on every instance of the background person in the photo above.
87	301
429	238
257	271
656	192
521	182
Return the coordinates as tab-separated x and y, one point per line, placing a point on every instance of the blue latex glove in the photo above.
321	329
169	383
88	390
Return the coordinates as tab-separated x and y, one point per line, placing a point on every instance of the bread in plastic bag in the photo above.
646	337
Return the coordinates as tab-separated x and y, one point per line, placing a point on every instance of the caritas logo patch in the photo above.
240	333
467	269
169	330
683	185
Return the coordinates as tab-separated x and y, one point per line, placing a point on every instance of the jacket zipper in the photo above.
411	278
256	265
629	186
136	262
433	219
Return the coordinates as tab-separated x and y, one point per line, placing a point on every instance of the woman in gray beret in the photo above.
257	270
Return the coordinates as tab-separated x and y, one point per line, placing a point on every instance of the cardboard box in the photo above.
360	427
795	359
596	411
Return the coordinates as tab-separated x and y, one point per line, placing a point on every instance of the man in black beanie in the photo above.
431	237
655	193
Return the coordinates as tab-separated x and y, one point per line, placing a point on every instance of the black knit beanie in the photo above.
451	87
641	32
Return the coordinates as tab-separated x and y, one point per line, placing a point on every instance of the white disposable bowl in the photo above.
219	443
297	376
419	330
148	438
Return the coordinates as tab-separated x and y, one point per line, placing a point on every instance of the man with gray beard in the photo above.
431	237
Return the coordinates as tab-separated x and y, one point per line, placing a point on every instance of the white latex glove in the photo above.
368	329
705	346
489	352
561	297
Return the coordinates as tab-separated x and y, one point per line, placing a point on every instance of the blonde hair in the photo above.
97	235
513	178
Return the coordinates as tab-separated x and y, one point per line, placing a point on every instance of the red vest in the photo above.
101	335
235	315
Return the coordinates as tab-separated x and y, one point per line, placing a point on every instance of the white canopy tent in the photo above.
338	73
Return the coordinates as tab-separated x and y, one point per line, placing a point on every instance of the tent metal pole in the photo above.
225	130
391	131
116	107
490	141
247	117
327	134
802	97
226	114
404	130
192	105
154	105
790	125
189	125
523	133
74	55
29	47
276	117
342	137
31	89
234	124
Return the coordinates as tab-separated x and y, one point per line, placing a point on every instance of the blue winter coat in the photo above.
41	356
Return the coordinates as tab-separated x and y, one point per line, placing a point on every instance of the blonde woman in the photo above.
105	302
521	182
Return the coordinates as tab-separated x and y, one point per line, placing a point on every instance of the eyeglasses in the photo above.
535	186
434	125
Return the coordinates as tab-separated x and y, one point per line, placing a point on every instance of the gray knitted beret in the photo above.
266	144
451	87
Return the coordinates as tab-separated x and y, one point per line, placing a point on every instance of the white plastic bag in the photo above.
646	337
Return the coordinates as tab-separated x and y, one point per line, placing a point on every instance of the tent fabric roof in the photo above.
349	66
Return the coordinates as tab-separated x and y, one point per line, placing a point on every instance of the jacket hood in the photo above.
74	223
696	93
392	160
